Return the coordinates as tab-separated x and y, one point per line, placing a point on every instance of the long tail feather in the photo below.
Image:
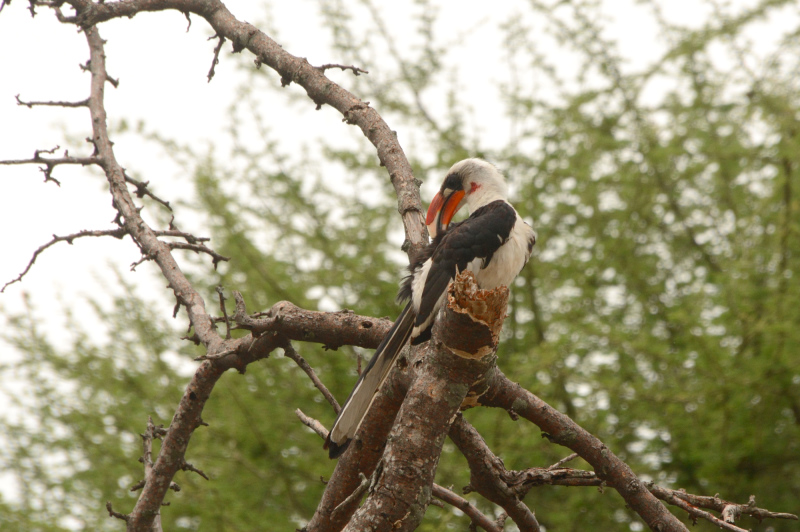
367	386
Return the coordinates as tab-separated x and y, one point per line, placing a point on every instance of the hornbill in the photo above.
493	242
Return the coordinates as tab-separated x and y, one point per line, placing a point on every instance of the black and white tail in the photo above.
370	381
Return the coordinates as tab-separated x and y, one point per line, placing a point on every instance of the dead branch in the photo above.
438	491
215	61
222	309
289	352
51	163
30	105
331	329
356	71
477	517
116	233
312	423
142	191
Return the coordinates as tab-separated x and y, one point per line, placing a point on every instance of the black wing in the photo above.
477	237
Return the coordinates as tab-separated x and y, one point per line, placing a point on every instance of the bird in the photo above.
494	242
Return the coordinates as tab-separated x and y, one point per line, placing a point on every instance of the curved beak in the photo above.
441	211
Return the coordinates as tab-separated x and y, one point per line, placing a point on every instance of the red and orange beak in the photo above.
442	211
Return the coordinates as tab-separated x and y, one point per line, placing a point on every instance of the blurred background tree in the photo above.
661	310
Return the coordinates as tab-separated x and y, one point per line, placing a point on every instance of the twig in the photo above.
356	71
29	105
50	164
357	493
290	352
313	424
465	506
116	233
151	433
563	461
112	513
216	258
142	191
217	49
224	313
189	467
217	356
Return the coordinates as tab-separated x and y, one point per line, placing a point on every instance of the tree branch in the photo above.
332	329
487	475
116	233
319	88
289	352
560	429
51	163
453	363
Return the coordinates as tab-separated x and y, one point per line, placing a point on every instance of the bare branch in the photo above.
442	493
142	191
217	49
290	352
729	511
116	233
112	513
465	506
29	105
151	432
199	248
453	362
356	71
312	423
563	461
332	329
51	163
189	467
224	312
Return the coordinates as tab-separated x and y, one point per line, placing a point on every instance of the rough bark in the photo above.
454	361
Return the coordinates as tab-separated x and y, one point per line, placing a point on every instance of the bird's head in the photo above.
473	182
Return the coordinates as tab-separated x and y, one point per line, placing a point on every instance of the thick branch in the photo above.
452	364
332	329
331	515
438	491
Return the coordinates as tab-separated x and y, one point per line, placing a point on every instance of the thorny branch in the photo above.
116	233
356	71
51	163
31	104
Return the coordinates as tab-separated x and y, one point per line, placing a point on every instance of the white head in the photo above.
473	182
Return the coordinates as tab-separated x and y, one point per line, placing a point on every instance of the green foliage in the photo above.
660	310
